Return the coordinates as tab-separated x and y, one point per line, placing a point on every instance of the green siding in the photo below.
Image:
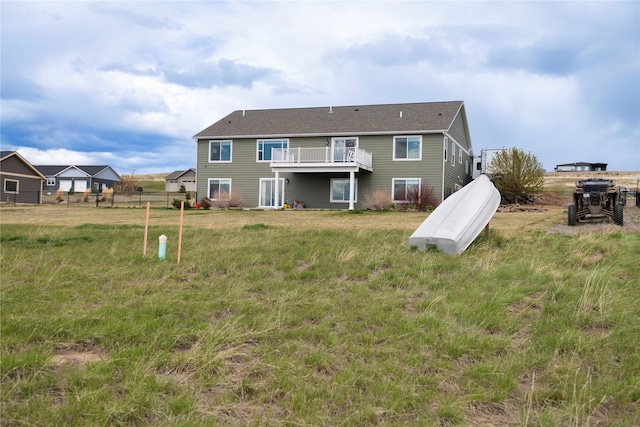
314	188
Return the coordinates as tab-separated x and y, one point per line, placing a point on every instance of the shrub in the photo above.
85	196
107	194
377	200
59	194
205	203
224	200
420	198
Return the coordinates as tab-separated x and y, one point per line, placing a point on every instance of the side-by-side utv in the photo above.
596	198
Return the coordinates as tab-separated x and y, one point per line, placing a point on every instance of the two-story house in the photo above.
331	157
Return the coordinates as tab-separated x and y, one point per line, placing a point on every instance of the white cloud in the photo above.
555	78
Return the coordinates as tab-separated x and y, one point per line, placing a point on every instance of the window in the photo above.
51	182
466	167
219	151
446	147
219	188
402	187
407	148
453	153
265	147
268	192
460	155
340	190
11	186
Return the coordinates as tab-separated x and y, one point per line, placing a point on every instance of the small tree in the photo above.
516	174
127	183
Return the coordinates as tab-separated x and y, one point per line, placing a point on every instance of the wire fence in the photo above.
105	199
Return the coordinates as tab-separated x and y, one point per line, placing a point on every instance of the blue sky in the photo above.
129	83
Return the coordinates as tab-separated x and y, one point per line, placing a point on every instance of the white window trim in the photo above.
4	184
217	179
281	189
230	151
51	182
453	153
355	190
258	141
407	159
393	186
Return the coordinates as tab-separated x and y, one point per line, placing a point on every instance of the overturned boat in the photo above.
458	220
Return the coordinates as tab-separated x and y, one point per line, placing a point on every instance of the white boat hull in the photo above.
458	220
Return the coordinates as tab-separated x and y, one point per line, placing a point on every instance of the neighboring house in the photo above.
21	181
176	179
334	157
78	178
581	167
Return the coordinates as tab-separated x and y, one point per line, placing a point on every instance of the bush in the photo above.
225	200
205	203
377	200
420	198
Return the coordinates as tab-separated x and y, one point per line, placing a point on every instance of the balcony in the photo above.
321	159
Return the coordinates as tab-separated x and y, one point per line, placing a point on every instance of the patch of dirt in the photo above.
75	357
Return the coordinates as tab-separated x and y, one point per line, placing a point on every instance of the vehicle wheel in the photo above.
618	214
573	215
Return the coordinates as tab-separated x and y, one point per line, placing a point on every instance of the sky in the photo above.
128	83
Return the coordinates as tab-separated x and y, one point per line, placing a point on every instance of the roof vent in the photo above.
243	113
400	114
331	109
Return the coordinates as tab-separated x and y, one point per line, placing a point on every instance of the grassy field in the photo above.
314	318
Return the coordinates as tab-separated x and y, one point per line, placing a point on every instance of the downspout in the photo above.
444	163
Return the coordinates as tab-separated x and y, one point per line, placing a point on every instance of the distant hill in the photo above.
152	176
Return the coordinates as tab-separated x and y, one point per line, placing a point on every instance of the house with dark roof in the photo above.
78	178
21	182
335	157
177	179
581	167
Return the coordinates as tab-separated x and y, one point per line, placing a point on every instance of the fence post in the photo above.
68	200
97	192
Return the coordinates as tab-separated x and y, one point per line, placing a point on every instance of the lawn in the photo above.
314	318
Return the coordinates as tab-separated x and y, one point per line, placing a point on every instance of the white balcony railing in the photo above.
322	155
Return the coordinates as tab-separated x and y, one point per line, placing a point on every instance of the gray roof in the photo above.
4	154
348	120
178	174
53	170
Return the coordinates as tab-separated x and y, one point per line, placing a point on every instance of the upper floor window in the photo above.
407	148
220	151
51	182
453	153
460	155
266	146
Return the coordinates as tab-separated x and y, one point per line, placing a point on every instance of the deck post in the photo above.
276	202
352	182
